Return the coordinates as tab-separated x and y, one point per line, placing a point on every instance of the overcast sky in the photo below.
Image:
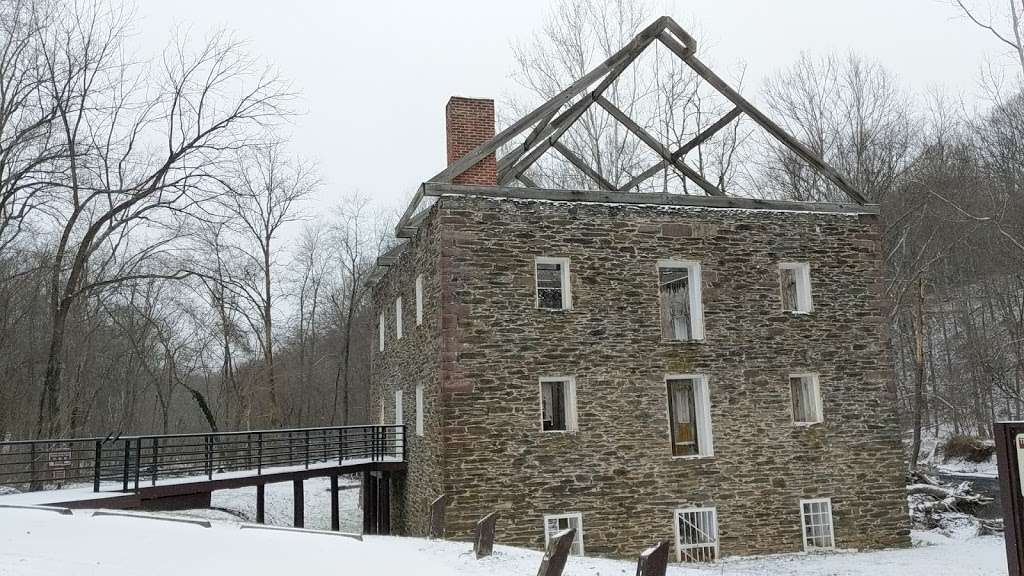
375	76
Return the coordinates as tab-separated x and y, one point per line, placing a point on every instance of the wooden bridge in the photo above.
180	471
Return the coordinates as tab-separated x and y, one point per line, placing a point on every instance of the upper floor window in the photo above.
380	332
682	313
689	414
553	292
795	278
419	409
806	398
398	318
419	299
556	523
558	404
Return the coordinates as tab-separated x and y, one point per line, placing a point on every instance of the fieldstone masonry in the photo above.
484	345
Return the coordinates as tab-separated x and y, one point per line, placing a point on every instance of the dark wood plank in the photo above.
614	197
557	553
483	535
261	503
298	503
437	508
335	504
653	561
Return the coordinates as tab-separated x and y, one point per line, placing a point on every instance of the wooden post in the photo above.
260	503
483	535
384	504
335	519
298	504
1009	438
653	561
369	503
437	517
557	553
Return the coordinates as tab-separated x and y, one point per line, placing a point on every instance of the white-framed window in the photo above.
558	404
795	281
816	521
555	523
380	332
696	534
398	407
419	409
552	279
419	299
398	318
689	415
805	394
682	311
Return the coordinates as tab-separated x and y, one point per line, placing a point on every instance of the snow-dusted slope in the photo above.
37	543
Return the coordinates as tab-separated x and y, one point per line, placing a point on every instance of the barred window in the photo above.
697	535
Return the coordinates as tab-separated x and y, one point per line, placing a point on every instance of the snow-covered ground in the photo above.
39	542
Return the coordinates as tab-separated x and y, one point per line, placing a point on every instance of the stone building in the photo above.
707	370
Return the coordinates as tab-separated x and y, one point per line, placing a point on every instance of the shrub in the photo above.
967	448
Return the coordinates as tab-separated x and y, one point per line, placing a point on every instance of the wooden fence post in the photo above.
437	517
483	535
653	561
557	553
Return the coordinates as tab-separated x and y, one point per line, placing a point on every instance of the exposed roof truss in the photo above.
549	121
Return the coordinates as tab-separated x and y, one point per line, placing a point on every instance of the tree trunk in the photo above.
919	360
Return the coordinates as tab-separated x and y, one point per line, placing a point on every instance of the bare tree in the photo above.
144	146
852	113
264	190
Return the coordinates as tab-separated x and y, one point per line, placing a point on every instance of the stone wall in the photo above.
617	470
414	359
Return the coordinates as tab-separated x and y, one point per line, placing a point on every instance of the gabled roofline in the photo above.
548	125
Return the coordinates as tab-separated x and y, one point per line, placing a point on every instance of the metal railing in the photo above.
127	462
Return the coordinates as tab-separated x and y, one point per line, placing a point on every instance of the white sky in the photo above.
375	76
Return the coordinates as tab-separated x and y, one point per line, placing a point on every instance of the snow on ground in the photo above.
44	543
960	467
239	505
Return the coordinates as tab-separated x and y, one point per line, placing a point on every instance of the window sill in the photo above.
694	341
539	309
808	424
570	432
694	457
798	312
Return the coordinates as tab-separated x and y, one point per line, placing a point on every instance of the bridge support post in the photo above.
335	519
369	503
299	504
260	503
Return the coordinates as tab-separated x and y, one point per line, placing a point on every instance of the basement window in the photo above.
806	397
816	520
696	535
795	278
380	332
398	318
419	409
558	404
689	414
682	314
553	292
419	299
555	523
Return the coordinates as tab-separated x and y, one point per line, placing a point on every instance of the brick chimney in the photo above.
469	123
